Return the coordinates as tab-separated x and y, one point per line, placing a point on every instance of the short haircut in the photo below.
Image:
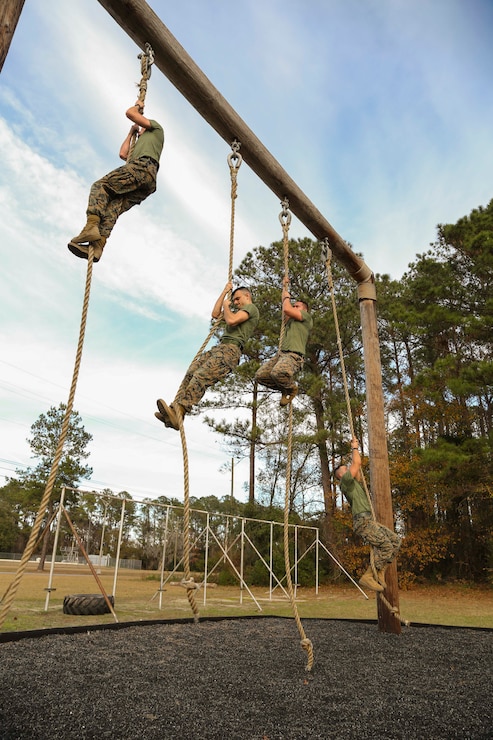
242	289
334	473
300	300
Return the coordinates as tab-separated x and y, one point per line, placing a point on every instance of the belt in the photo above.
232	341
151	159
292	352
362	514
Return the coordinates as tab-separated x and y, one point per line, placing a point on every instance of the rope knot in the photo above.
190	585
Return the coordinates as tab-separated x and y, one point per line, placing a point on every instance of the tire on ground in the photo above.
85	604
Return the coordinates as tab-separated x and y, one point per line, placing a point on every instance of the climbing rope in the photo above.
285	219
234	163
327	255
146	62
306	643
28	551
187	581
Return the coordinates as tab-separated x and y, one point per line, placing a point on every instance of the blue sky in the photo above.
380	110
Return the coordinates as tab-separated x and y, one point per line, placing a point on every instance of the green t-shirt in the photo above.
241	333
297	333
150	143
354	494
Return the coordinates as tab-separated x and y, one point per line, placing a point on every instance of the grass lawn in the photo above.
137	598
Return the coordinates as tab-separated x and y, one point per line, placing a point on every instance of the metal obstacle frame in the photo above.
241	539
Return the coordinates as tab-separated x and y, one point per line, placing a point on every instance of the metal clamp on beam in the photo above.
367	290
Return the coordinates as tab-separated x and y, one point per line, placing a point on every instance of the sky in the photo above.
380	110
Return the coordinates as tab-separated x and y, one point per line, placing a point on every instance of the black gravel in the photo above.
245	679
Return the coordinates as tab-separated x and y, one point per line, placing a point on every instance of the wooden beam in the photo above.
140	22
10	11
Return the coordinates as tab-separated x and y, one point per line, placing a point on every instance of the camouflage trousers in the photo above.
278	373
384	540
206	370
119	190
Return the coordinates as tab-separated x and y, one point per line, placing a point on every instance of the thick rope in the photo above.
306	643
328	256
188	581
28	551
393	609
146	62
285	219
234	162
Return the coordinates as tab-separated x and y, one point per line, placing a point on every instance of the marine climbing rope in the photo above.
306	643
327	257
147	59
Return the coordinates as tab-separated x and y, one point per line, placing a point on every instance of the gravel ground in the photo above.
245	679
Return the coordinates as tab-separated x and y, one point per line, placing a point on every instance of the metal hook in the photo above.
285	215
146	60
326	250
234	157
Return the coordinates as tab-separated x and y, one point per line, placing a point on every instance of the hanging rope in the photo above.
306	643
28	551
234	162
146	62
187	581
327	255
285	219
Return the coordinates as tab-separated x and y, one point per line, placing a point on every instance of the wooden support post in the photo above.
10	11
378	453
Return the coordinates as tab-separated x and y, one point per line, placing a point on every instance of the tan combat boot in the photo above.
82	250
288	396
173	413
381	576
368	581
90	232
